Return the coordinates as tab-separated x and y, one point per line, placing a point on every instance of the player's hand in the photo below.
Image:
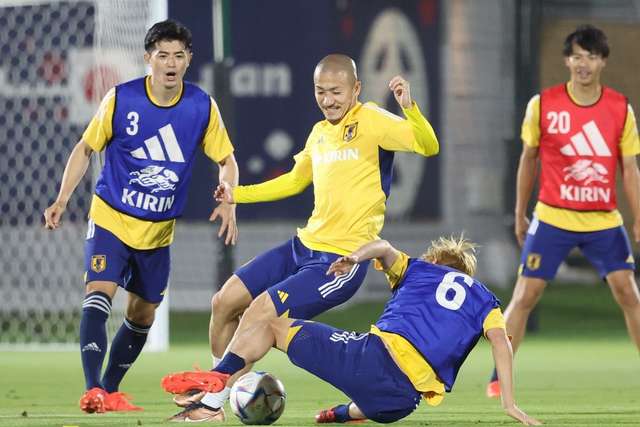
227	214
521	227
516	413
53	214
224	193
401	91
342	265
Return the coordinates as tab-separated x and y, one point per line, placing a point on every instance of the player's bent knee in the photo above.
626	296
230	301
108	288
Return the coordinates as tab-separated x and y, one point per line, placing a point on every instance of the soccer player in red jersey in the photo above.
578	132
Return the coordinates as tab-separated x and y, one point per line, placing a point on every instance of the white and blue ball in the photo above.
257	398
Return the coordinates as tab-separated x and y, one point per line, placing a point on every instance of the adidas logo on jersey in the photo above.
91	347
588	142
154	147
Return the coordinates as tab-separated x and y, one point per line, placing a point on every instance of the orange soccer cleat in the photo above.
182	382
119	402
493	389
93	400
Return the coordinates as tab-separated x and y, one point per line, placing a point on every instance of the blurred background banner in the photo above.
473	65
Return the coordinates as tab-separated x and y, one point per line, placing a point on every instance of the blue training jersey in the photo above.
440	311
148	160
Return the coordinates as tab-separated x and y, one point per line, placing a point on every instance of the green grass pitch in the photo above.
582	370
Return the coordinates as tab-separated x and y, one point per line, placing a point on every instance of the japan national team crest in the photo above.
533	261
350	132
98	263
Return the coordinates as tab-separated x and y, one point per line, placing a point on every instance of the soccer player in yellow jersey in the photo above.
578	132
348	158
436	315
150	129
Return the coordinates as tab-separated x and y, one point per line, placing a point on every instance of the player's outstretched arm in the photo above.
75	169
503	357
423	140
380	249
226	210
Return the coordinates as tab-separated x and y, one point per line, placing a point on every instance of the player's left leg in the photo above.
611	254
625	291
146	285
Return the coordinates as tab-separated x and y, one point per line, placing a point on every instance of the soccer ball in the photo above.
257	398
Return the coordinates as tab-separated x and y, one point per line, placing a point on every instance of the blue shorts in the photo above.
357	364
296	279
142	272
547	246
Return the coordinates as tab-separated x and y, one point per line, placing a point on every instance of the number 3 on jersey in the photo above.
133	118
449	285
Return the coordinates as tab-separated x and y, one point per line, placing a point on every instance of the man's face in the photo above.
169	61
335	94
585	67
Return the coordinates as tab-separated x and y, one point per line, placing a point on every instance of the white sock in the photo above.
216	361
216	400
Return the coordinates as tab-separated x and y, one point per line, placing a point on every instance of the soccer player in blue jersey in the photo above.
434	318
150	129
578	133
348	157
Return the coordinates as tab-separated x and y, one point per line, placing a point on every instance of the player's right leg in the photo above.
227	306
105	266
544	249
96	309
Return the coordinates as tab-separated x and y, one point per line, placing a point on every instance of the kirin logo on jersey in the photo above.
587	142
336	156
158	178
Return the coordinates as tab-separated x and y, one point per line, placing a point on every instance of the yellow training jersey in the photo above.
350	165
573	220
135	232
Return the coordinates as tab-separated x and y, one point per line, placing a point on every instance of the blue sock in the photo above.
230	364
342	413
125	348
494	375
93	336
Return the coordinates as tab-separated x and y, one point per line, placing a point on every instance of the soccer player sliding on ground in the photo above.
434	318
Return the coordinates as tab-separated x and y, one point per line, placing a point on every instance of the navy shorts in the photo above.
357	364
296	279
142	272
547	246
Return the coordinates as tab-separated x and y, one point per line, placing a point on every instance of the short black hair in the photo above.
589	38
167	30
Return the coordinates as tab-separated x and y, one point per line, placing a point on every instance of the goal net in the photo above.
58	59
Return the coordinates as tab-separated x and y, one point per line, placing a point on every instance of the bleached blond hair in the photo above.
456	252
